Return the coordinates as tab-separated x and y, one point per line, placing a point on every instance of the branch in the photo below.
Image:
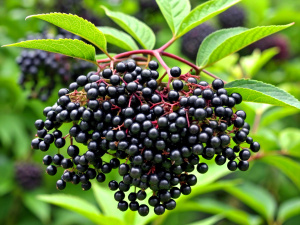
212	75
165	46
181	60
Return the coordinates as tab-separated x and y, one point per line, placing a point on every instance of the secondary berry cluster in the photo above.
28	175
41	71
154	135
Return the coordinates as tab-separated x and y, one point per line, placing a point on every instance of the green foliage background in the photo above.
269	193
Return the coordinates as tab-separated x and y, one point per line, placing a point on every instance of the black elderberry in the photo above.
143	210
243	165
202	168
153	65
86	186
51	170
255	146
113	185
60	185
175	71
101	177
232	165
159	209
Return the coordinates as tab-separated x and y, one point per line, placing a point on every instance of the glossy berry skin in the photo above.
202	168
217	84
255	147
243	165
51	170
119	196
60	185
47	160
153	65
113	185
134	206
185	189
232	165
175	71
159	209
86	186
143	210
244	154
160	134
170	205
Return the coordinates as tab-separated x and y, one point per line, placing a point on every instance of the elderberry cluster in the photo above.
41	71
155	136
233	17
191	41
28	175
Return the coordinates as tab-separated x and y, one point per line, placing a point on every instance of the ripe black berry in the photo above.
175	71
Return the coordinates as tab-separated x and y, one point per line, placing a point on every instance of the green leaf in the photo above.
74	48
253	63
203	13
278	113
208	221
236	42
103	56
40	209
289	141
255	197
174	12
118	38
80	206
137	29
257	91
285	165
75	25
105	201
288	209
214	207
215	39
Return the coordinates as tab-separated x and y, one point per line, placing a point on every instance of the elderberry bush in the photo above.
277	41
41	71
191	41
28	175
233	17
155	137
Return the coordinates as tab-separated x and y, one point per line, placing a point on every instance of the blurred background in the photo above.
268	193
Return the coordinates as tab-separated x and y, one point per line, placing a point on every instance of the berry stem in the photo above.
181	60
162	62
164	65
158	53
212	75
165	46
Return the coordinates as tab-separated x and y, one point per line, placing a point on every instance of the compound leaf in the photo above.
137	29
174	12
203	13
76	25
289	209
232	44
74	48
257	91
118	38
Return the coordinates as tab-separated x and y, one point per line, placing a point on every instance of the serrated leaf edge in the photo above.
285	104
41	14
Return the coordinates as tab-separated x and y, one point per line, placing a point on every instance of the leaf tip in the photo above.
28	17
8	45
104	8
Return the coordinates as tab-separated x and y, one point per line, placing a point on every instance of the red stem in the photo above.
165	46
181	60
162	62
158	53
212	75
